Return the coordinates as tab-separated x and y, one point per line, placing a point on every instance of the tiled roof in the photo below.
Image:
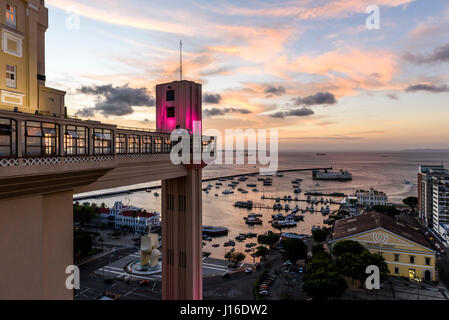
369	221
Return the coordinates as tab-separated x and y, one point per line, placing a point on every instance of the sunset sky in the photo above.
310	68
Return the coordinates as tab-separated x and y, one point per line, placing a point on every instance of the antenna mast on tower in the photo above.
180	59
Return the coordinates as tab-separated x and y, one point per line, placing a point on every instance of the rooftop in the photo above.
373	220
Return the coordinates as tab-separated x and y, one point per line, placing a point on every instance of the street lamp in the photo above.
418	281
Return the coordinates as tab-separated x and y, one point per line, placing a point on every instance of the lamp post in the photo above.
418	281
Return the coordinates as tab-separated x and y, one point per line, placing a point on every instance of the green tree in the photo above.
294	249
84	213
412	202
320	235
387	210
317	248
235	257
270	239
262	251
347	246
322	280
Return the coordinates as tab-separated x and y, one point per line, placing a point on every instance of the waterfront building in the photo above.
134	218
351	205
371	198
440	203
407	252
425	191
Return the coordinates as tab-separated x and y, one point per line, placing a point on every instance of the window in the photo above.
11	15
147	146
412	259
170	112
8	141
120	144
75	140
171	95
396	270
11	81
428	261
102	141
134	143
396	257
157	145
167	145
41	139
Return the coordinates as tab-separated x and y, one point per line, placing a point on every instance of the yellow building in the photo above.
22	57
407	252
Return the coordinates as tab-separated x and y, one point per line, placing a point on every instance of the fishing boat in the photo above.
244	204
297	190
253	220
228	192
251	185
278	216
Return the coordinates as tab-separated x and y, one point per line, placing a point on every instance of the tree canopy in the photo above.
347	246
412	202
294	249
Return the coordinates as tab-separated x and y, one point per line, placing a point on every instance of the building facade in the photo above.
134	218
406	250
440	197
371	198
425	191
22	58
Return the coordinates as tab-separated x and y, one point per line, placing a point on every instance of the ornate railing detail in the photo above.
9	162
103	158
79	159
41	161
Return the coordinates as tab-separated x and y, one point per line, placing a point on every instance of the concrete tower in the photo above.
178	105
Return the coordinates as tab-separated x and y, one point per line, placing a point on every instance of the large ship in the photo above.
333	176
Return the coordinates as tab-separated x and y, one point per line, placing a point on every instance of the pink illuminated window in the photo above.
10	15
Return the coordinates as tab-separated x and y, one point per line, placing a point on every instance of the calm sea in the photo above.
391	172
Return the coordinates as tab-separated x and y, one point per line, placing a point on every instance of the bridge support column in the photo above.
36	246
182	237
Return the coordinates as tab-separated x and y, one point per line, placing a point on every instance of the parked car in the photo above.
249	270
144	282
300	270
263	292
226	275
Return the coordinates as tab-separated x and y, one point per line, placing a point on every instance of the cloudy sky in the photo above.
310	68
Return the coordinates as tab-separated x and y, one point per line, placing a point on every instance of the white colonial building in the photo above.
137	219
371	198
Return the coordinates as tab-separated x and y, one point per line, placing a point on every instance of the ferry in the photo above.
331	176
214	231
